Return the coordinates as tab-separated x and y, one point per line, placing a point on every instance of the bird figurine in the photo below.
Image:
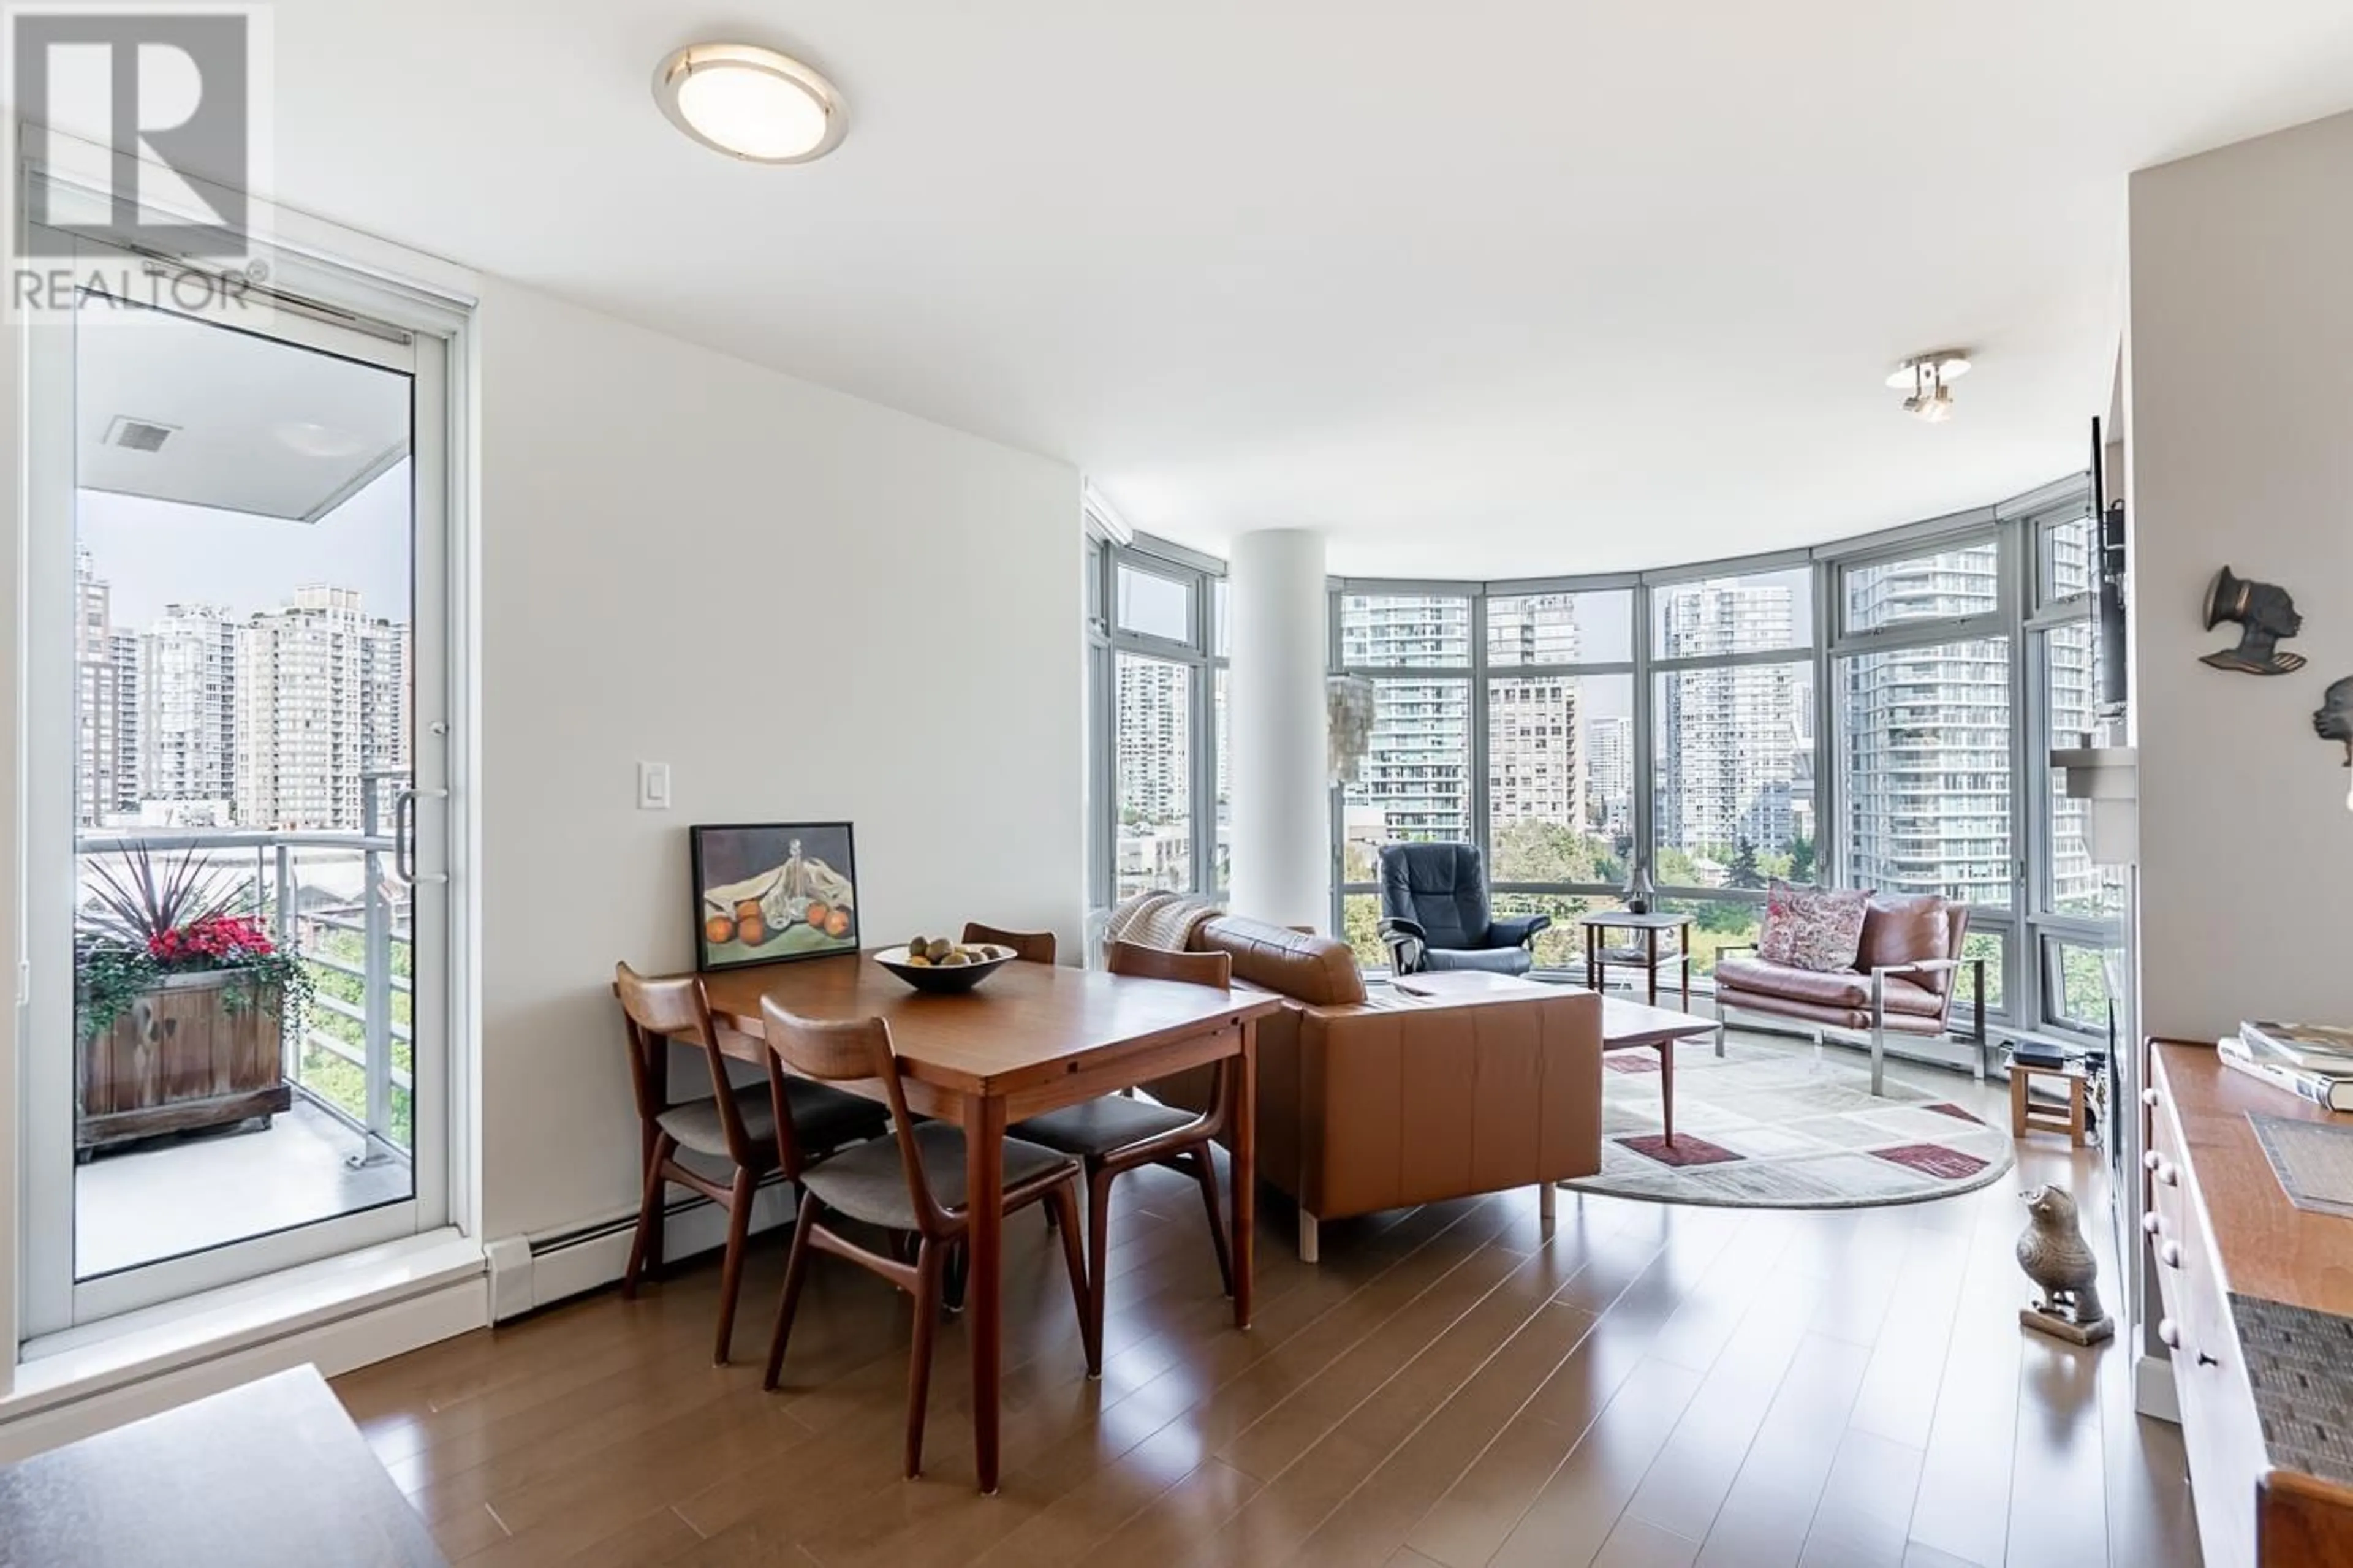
2056	1258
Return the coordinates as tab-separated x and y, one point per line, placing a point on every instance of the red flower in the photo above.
221	939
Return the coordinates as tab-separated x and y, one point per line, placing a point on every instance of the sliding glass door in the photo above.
237	723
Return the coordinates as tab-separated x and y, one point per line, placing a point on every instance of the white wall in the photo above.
812	608
2241	442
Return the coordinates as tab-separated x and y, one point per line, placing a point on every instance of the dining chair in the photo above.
737	1125
1028	946
911	1184
1116	1134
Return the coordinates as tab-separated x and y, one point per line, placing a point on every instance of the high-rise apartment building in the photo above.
1924	736
1418	772
1609	774
322	698
1535	768
189	706
1728	734
1154	732
98	687
124	680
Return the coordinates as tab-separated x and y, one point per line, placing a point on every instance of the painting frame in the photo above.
773	874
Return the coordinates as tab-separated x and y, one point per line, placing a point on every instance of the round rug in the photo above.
1769	1126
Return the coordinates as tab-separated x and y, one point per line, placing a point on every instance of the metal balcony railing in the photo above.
331	900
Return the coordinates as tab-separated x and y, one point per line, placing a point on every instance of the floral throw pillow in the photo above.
1812	928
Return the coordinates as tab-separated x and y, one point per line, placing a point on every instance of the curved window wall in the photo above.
1876	713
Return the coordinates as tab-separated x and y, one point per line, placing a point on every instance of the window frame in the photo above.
1107	553
2027	932
2048	930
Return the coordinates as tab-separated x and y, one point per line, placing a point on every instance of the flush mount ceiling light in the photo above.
1929	377
751	103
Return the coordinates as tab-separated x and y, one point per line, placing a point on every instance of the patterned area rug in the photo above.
1773	1126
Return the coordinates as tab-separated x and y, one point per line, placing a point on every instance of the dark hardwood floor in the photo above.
1651	1385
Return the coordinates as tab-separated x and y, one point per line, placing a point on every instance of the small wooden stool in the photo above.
2026	1114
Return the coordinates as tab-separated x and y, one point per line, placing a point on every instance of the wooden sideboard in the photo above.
2258	1304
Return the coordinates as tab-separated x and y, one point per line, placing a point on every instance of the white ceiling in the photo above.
255	426
1481	287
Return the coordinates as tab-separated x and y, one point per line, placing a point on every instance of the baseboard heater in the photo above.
528	1272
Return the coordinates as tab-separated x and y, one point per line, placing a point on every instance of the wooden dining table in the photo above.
1032	1037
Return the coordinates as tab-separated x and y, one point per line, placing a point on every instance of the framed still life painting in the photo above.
764	893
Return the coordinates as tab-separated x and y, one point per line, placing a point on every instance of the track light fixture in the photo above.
1928	378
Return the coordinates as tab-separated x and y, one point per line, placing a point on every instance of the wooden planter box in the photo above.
197	1050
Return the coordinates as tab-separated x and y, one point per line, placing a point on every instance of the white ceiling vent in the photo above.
138	434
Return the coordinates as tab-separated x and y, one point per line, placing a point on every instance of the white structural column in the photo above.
1282	801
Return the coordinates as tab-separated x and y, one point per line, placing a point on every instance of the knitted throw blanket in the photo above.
1166	921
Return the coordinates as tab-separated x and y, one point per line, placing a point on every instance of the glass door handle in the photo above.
404	834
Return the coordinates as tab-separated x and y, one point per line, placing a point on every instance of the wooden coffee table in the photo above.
1630	1027
1625	1025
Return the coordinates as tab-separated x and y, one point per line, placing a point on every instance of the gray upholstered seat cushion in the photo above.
823	1119
697	1124
1101	1126
866	1180
1493	960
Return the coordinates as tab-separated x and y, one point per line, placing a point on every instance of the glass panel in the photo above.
2073	886
1094	582
1925	754
1561	946
2065	566
1154	606
2075	988
1961	582
1759	613
1155	841
1716	924
1734	760
1360	918
1560	778
1416	779
1225	843
1990	946
1560	629
1218	597
243	682
1393	630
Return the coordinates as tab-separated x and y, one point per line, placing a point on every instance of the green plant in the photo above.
148	921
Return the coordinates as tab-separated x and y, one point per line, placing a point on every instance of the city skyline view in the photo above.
1922	741
235	670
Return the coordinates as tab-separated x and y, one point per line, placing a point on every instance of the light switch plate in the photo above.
653	786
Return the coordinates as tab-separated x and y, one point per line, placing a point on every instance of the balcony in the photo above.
333	900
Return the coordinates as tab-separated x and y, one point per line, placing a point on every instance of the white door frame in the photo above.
325	307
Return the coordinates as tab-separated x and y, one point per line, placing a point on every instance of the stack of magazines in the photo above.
2314	1060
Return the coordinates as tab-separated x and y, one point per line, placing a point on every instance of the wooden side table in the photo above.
2028	1115
1643	954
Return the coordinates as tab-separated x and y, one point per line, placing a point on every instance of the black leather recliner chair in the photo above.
1435	914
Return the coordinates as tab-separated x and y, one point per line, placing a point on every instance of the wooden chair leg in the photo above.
731	1269
796	1269
930	1258
645	1246
1098	1257
954	1271
1205	1170
1063	1202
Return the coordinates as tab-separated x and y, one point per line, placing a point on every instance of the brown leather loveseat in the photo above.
1368	1103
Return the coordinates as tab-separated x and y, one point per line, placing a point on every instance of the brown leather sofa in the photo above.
1371	1103
1902	980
